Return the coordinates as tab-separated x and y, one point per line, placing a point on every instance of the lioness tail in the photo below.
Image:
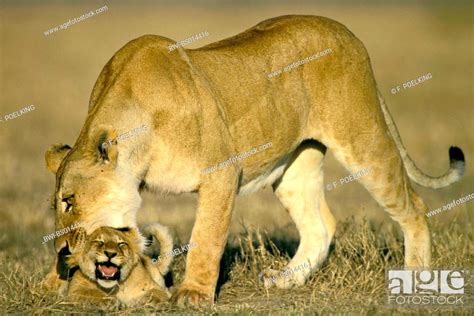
456	159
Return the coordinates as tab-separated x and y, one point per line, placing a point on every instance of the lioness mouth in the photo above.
107	271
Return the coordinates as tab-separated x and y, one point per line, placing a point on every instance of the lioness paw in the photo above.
280	279
190	297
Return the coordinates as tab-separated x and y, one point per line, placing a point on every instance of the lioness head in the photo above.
108	255
90	187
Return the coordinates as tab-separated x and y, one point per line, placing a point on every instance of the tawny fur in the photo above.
162	238
203	106
141	280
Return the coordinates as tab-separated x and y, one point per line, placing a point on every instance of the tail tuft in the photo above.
456	155
457	164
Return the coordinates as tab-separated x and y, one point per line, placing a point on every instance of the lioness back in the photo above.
232	75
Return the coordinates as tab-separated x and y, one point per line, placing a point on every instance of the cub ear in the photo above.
137	241
104	144
55	155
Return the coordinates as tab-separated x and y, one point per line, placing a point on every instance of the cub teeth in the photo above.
107	270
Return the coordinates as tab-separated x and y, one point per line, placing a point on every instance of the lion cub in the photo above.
112	266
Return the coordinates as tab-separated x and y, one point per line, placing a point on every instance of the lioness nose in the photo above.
110	254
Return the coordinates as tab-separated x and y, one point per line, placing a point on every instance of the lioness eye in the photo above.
122	244
69	203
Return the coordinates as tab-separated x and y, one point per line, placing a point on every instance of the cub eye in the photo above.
99	242
122	244
68	203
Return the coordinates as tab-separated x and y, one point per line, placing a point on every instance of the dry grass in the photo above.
56	74
351	281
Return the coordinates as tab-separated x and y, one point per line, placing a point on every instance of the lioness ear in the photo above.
104	144
55	155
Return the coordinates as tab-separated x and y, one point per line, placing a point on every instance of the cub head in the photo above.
108	255
91	188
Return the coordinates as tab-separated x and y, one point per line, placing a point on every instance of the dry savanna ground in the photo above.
56	74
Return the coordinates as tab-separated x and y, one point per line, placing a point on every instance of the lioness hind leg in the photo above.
300	190
386	180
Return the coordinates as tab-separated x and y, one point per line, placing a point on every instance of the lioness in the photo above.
204	106
112	266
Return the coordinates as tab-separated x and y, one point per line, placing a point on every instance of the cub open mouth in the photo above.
107	271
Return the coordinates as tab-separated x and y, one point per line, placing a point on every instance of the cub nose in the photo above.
110	254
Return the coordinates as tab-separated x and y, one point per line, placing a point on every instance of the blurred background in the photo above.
56	74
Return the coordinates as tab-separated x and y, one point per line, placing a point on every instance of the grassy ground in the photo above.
56	74
351	281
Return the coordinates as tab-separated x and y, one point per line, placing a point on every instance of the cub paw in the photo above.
158	296
52	284
185	296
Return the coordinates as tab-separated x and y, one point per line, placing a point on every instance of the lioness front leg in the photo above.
216	200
